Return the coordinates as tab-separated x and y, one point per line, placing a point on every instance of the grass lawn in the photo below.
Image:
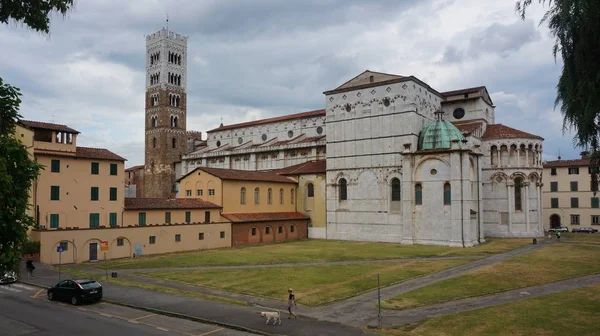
573	312
309	251
551	263
583	237
313	285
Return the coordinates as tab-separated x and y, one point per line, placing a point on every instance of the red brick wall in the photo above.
241	233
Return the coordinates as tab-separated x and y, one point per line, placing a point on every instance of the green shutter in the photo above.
167	217
113	219
142	219
95	168
94	220
113	194
54	221
188	216
55	166
113	169
95	193
595	203
55	193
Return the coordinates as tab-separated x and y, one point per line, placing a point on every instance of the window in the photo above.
211	192
188	192
178	238
574	171
553	171
153	142
142	219
55	166
95	193
418	194
292	196
188	216
94	220
269	196
310	190
554	203
280	229
168	217
553	186
222	234
518	198
292	228
595	203
574	219
152	239
64	245
201	236
395	189
95	168
574	186
574	202
447	194
113	194
256	196
206	216
112	219
113	169
54	193
267	230
343	190
199	192
595	220
458	113
120	241
173	143
254	231
281	196
243	196
54	221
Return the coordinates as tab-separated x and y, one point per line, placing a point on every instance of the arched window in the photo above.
256	196
153	121
243	196
310	190
270	196
418	194
343	190
447	194
396	190
518	199
172	122
292	194
281	196
173	143
153	142
175	119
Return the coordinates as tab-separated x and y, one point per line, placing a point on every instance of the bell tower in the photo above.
166	105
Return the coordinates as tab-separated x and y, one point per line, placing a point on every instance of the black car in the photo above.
585	230
76	291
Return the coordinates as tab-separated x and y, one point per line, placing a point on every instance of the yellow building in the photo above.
567	197
25	136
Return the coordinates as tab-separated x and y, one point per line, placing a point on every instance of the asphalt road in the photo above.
24	310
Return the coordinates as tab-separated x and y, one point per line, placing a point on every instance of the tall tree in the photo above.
17	169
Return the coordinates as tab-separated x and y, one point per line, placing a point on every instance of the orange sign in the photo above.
104	245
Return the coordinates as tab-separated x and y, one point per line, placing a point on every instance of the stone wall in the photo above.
242	233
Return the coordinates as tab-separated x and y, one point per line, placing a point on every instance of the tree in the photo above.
17	169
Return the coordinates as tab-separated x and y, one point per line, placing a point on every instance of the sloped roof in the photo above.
500	131
310	167
301	115
463	91
242	175
135	168
167	203
264	217
364	78
584	162
384	79
468	128
97	153
48	126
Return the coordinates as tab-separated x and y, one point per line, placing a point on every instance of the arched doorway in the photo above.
554	221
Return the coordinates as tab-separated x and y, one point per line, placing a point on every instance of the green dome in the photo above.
439	134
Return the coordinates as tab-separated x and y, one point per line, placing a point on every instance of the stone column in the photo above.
526	157
526	185
509	187
408	193
539	206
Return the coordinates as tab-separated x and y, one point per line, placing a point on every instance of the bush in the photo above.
31	247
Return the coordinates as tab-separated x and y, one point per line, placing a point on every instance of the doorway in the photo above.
93	251
554	221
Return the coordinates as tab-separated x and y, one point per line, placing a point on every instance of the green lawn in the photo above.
313	285
583	237
573	312
309	251
551	263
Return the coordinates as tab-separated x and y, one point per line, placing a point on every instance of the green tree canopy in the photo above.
33	13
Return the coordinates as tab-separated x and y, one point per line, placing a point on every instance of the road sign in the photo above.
59	249
104	245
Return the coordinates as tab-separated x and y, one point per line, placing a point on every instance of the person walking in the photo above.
558	236
29	266
291	304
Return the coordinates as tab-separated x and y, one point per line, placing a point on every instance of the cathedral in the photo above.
403	162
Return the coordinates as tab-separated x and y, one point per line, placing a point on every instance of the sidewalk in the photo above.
231	316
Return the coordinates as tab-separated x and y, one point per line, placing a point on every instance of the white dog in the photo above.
276	316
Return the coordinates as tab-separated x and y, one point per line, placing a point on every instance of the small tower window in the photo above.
418	194
371	79
343	190
447	194
153	142
173	143
395	189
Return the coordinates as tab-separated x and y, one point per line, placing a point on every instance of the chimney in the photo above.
585	155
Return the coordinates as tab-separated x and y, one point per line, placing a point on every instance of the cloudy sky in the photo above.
262	58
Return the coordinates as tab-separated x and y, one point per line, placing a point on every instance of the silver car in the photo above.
8	277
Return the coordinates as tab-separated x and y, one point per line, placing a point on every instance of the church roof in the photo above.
301	115
439	134
499	131
242	175
263	216
310	167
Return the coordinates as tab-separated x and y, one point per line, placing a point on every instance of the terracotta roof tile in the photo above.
467	128
97	153
309	114
499	131
264	217
242	175
54	153
585	162
311	167
167	203
48	126
135	168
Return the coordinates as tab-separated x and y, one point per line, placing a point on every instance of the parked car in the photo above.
585	230
559	229
76	291
8	277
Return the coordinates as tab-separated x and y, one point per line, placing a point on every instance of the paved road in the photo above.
26	311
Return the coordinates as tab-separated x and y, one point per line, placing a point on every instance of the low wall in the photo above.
267	232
